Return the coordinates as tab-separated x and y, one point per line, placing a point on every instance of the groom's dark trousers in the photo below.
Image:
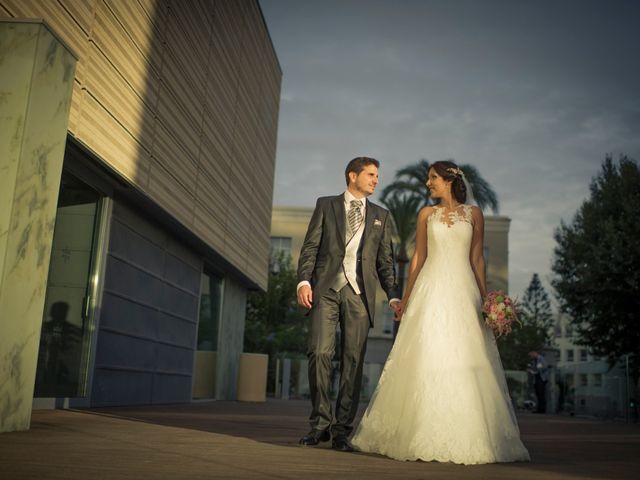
320	263
347	309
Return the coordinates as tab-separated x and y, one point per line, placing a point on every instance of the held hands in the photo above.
305	296
398	310
305	299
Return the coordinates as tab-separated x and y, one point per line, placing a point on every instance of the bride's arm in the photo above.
476	255
420	253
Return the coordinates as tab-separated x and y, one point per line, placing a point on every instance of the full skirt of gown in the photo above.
442	395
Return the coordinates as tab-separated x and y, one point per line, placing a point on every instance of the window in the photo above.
280	246
204	371
209	319
557	331
568	331
583	355
597	379
584	380
569	355
280	253
68	322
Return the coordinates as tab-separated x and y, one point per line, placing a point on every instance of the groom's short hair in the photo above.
357	165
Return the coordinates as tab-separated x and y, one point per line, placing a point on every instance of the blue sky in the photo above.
532	93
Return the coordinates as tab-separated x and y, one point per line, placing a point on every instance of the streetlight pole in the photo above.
628	397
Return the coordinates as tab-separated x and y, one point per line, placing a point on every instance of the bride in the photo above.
442	394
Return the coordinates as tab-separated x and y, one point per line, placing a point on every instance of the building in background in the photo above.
143	133
585	384
289	226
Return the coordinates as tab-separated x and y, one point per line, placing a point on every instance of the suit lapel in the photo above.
340	214
369	216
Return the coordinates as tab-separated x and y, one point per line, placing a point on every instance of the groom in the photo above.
347	249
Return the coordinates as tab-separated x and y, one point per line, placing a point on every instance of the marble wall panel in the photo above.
36	81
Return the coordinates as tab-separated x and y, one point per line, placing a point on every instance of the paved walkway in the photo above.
233	440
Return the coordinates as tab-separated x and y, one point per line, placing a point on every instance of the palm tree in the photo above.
404	210
483	193
411	180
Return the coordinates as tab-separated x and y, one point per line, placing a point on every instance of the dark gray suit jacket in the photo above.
324	248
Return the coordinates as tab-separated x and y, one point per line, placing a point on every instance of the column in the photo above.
36	81
230	339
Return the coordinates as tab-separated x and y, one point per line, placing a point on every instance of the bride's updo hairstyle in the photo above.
451	173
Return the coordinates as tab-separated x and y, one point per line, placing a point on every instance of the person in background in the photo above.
538	368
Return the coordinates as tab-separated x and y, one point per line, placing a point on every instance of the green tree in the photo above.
534	331
535	307
410	181
273	324
597	265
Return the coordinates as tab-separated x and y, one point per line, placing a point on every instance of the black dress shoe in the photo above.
314	437
341	444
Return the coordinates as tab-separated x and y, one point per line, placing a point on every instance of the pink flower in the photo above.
499	312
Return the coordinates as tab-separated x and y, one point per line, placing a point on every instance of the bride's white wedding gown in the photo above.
442	394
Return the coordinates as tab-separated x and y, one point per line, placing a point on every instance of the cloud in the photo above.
534	94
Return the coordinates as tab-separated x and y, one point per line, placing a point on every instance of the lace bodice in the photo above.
462	213
449	235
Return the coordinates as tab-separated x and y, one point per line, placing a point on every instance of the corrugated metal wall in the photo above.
180	97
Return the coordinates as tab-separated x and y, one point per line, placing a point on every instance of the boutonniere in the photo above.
377	223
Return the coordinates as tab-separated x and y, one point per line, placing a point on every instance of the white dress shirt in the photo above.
354	242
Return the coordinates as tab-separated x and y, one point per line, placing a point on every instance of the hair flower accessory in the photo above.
456	171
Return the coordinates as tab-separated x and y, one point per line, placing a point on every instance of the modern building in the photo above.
137	152
586	384
289	226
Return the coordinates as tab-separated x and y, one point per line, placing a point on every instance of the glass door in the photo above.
65	338
204	381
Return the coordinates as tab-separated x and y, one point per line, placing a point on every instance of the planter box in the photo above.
252	377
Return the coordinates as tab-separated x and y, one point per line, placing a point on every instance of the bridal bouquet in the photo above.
499	312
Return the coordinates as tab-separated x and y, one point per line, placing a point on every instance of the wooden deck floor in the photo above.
234	440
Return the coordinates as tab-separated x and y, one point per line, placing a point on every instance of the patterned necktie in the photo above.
355	216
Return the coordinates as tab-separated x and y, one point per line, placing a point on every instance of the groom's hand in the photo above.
305	296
